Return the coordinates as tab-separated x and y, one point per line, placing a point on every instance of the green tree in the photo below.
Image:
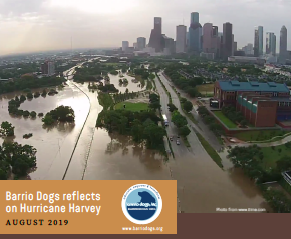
184	131
179	120
172	107
22	98
284	164
29	95
137	131
153	134
21	158
188	106
26	113
6	129
33	114
48	120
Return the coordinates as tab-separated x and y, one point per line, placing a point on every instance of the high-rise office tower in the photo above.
156	35
259	41
235	46
195	31
48	68
125	45
141	43
181	39
232	52
283	45
227	40
270	43
211	39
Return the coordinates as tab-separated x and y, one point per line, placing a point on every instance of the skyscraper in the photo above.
156	35
232	52
141	43
181	39
125	45
195	33
283	45
259	41
270	43
211	39
227	40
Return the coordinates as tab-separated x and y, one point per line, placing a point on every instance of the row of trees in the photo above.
96	71
251	160
30	82
123	97
208	119
181	122
62	113
14	104
234	115
110	88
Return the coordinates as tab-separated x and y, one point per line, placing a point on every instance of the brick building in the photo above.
262	104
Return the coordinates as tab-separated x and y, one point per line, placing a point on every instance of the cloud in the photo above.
49	24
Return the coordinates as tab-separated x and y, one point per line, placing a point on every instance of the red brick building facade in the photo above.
262	104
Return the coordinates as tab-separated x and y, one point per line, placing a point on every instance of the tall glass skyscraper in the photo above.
227	40
270	43
195	32
259	41
283	45
155	40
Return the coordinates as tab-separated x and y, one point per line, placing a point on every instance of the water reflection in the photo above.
122	159
247	185
131	86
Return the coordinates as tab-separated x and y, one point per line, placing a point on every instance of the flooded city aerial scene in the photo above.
200	109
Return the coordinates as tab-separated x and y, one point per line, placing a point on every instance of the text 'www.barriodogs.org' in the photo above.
149	229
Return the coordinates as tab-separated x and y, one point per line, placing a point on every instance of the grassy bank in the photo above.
273	154
259	135
211	151
106	101
225	120
134	107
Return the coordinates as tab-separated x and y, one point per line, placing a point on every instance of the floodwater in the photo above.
92	154
54	144
132	87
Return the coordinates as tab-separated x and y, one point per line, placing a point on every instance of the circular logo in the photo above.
141	204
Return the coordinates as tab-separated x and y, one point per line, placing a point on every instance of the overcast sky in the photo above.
37	25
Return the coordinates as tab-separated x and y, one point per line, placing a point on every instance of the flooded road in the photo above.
202	185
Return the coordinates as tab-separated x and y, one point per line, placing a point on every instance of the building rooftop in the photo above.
253	86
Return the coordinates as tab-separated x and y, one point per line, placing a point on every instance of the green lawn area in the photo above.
135	107
225	120
206	90
262	135
271	155
211	151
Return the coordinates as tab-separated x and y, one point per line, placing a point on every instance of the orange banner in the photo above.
88	207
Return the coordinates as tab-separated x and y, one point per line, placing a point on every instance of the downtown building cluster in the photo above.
207	41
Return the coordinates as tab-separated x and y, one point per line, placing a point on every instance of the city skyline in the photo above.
49	24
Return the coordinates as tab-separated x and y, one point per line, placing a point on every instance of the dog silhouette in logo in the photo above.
146	198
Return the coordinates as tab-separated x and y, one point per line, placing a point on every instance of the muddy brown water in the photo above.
202	185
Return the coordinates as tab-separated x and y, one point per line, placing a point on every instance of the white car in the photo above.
178	142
